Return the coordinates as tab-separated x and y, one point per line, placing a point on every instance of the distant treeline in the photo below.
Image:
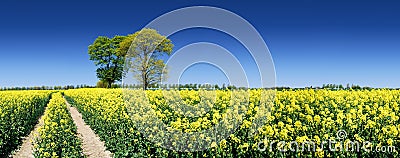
188	87
334	87
341	87
184	86
216	86
132	86
46	87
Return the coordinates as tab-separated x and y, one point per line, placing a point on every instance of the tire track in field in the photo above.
26	149
92	146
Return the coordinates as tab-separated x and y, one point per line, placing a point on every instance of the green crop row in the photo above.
58	136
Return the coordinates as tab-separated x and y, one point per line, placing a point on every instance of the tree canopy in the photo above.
109	58
144	49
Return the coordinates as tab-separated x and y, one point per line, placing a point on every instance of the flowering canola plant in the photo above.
295	115
19	111
57	137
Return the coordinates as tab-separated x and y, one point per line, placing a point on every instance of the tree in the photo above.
107	56
145	48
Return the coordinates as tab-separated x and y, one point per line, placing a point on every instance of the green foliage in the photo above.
101	84
109	58
144	48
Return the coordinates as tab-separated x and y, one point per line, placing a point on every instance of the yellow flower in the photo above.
222	144
244	146
46	154
283	134
213	144
319	152
309	118
317	118
370	124
390	141
246	124
298	125
280	124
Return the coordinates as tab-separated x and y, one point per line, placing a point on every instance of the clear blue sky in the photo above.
312	42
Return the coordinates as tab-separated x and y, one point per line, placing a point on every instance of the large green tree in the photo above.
109	58
144	49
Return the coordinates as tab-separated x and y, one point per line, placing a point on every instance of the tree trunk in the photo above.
109	83
144	86
144	80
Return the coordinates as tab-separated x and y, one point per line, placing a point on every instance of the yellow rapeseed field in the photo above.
19	111
126	121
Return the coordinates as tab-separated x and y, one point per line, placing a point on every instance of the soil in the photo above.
92	146
26	149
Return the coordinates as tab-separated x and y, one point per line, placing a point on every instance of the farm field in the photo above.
304	115
57	137
19	111
200	79
296	116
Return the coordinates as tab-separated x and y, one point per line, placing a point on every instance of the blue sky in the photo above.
311	42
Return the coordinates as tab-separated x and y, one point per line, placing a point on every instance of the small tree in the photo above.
109	59
145	47
101	84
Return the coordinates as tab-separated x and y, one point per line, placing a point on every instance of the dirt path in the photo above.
26	149
92	146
